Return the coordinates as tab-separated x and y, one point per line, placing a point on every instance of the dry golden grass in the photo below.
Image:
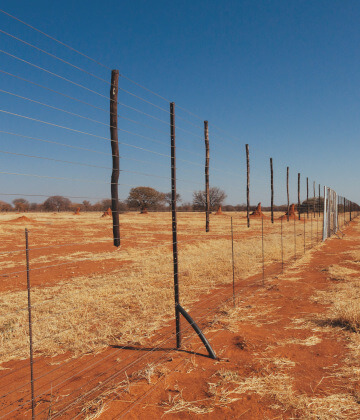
229	386
129	303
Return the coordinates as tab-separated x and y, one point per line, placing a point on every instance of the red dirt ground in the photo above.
22	219
248	351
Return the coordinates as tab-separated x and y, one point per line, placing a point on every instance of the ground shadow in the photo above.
164	349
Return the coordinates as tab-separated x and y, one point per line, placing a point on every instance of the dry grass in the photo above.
129	303
230	387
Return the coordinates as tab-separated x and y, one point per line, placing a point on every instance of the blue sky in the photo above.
281	76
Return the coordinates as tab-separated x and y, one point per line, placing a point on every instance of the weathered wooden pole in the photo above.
319	206
115	155
287	189
350	208
307	197
314	200
174	224
344	210
272	190
247	185
207	160
299	194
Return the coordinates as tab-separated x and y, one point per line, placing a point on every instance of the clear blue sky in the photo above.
281	76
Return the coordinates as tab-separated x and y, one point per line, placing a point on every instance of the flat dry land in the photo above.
103	318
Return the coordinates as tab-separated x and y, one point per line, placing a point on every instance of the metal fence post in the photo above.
174	224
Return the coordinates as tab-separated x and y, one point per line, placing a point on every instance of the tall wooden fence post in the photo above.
307	197
344	211
174	224
207	192
115	155
287	190
314	200
247	185
319	204
350	208
299	194
272	190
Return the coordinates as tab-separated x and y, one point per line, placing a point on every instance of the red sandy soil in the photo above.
257	213
248	351
22	219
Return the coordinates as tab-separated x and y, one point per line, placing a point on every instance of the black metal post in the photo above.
30	325
174	224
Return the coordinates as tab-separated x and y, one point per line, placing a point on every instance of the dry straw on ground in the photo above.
128	303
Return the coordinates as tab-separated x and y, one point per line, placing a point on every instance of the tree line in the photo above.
139	198
143	198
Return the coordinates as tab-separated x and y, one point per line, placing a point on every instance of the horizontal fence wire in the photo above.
62	117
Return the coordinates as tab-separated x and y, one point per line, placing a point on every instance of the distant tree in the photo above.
122	206
309	204
86	205
35	207
168	197
185	207
145	197
21	204
217	196
103	205
74	206
229	207
57	203
5	206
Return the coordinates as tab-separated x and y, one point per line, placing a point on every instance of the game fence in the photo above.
89	269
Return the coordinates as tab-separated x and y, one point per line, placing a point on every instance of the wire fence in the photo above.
80	318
